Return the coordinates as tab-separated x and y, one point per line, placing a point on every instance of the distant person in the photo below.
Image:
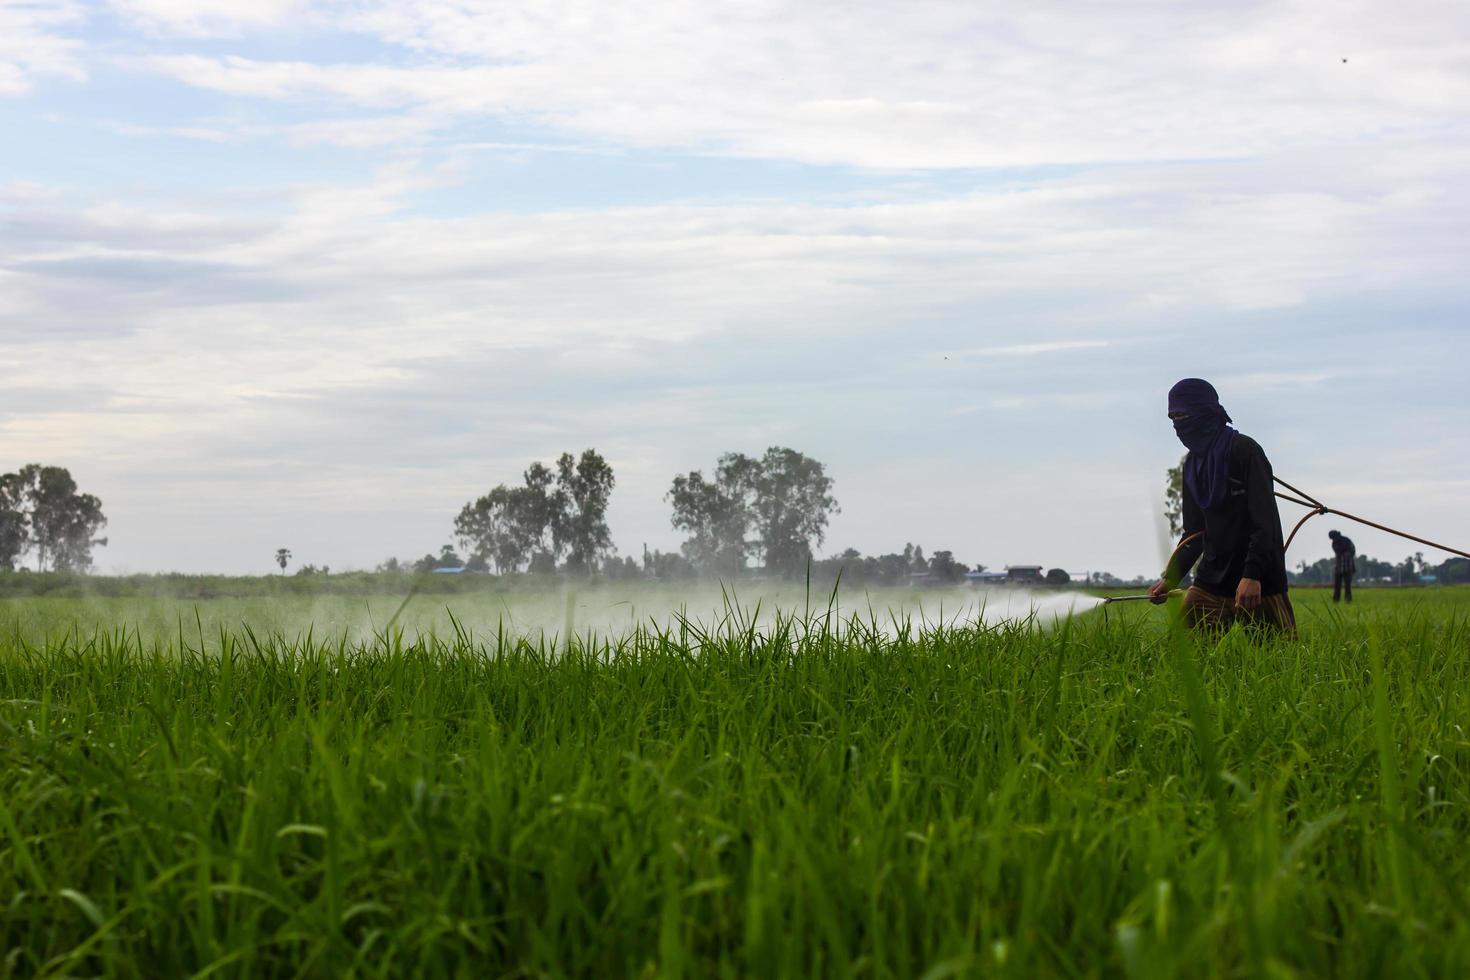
1228	494
1345	567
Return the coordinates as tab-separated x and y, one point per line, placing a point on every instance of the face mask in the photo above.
1197	429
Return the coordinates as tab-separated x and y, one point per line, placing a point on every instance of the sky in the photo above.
282	273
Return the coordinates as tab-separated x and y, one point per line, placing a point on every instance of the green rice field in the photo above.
787	786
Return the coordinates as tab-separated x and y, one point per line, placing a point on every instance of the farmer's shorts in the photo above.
1207	611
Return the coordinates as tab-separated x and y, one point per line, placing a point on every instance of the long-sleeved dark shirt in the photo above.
1346	555
1242	536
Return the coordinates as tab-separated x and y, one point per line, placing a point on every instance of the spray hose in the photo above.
1314	507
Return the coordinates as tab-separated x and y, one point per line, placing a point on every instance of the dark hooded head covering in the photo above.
1204	432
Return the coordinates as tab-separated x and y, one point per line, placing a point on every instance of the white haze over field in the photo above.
887	612
604	613
314	273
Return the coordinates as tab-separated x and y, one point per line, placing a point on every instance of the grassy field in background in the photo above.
262	787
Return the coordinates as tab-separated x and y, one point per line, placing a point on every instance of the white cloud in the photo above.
354	132
308	353
344	354
1257	380
445	89
204	133
1041	347
359	132
205	18
939	84
1102	248
33	43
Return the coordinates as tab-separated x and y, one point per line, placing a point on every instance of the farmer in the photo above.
1345	567
1241	575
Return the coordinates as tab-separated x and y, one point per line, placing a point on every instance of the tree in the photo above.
1316	573
551	514
15	532
670	566
63	521
848	565
793	501
1411	568
776	507
486	529
716	514
893	568
579	526
1454	570
914	554
73	549
535	511
944	568
1370	568
40	508
283	557
1320	572
1058	576
509	526
1174	497
622	569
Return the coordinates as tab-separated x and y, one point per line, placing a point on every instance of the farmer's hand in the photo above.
1158	592
1248	593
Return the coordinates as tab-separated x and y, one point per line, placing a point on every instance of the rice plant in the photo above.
812	792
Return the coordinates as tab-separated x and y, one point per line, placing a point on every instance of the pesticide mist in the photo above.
608	613
549	615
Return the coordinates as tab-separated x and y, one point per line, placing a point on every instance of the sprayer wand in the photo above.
1173	556
1136	598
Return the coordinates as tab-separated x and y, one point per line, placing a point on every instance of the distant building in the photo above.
986	578
1024	575
451	570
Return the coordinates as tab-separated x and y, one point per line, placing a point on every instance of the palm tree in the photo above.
283	555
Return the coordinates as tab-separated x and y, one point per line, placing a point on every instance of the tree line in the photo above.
1411	571
747	515
850	566
43	514
757	516
772	510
